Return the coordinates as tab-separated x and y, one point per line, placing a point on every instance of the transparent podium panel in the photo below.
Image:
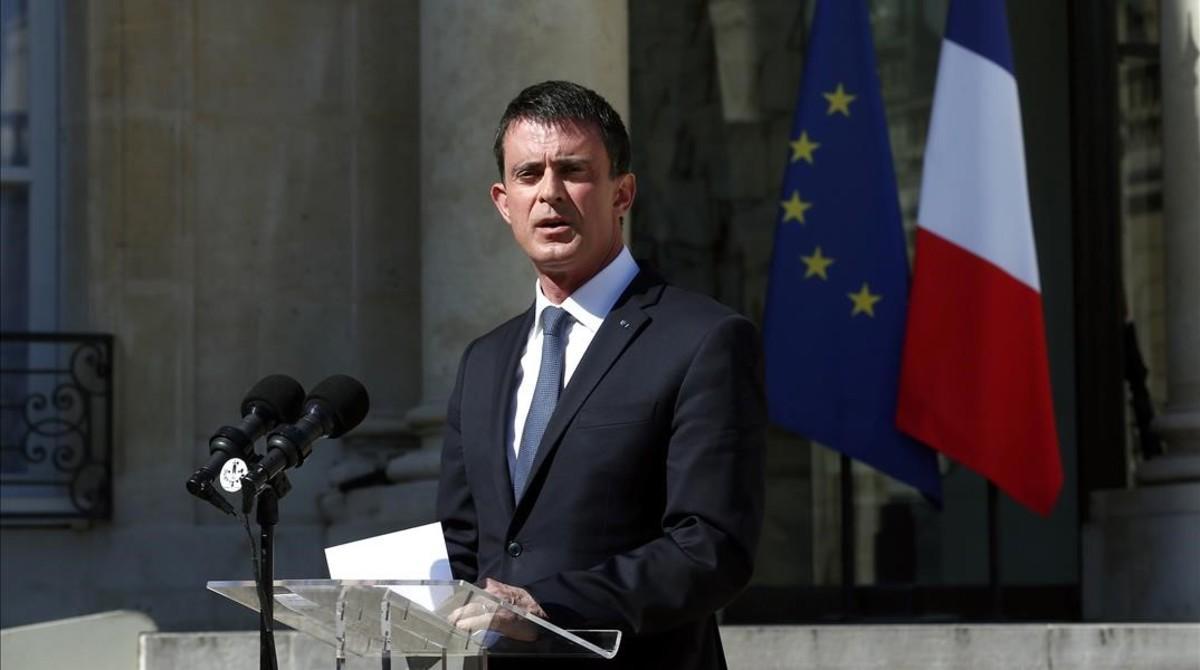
418	619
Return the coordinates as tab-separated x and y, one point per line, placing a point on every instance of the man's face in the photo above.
560	199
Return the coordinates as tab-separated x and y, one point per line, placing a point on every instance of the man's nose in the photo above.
552	188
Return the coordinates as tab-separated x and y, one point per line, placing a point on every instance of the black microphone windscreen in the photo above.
346	398
278	393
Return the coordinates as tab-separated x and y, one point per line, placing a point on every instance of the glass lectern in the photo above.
417	618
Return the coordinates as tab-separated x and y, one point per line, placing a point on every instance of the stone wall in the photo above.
240	198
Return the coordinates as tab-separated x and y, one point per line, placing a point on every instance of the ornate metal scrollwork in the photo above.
55	418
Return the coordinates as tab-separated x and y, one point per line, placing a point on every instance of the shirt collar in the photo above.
590	303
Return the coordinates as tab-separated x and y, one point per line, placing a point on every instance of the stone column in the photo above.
474	58
1179	424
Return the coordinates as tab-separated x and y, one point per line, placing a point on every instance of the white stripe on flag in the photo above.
973	190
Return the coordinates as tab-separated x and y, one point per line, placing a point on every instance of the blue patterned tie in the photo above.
545	394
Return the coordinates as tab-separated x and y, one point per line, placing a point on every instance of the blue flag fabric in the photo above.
838	291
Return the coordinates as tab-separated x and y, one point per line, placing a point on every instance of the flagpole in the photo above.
993	522
848	545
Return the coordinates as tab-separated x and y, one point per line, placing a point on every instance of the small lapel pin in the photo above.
624	323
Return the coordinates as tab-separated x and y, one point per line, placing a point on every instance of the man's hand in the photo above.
480	615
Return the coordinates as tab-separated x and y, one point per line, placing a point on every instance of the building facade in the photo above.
231	189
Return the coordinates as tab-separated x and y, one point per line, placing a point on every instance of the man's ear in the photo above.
626	191
500	200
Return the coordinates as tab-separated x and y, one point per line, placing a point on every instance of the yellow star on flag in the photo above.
803	148
817	264
839	101
794	208
864	301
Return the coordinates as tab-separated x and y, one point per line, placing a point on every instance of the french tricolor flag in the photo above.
975	382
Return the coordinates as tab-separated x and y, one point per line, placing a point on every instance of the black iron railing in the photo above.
56	409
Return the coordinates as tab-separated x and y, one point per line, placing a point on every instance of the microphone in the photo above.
335	407
274	399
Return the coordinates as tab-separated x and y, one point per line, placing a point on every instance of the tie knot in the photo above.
554	320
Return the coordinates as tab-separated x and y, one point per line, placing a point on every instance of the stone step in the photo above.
894	647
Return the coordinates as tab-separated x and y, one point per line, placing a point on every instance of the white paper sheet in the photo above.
413	553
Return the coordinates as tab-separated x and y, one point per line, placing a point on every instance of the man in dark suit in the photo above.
603	461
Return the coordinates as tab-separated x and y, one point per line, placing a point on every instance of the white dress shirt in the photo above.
588	306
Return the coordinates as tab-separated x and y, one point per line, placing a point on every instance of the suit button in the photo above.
514	549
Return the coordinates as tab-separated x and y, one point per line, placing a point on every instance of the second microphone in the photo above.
332	409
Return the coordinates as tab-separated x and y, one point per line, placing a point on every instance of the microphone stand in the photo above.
267	516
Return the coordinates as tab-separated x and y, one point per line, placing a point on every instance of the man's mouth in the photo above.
552	225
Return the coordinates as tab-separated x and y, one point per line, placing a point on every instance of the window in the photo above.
56	389
29	225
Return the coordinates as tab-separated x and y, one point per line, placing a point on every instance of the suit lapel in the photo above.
619	328
498	447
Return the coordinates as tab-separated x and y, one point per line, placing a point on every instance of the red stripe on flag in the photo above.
975	382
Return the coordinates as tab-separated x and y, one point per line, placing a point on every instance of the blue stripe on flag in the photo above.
982	27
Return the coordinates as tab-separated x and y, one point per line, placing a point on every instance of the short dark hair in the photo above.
557	103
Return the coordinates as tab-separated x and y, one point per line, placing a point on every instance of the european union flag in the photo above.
838	292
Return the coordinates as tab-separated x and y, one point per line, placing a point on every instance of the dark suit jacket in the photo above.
645	501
